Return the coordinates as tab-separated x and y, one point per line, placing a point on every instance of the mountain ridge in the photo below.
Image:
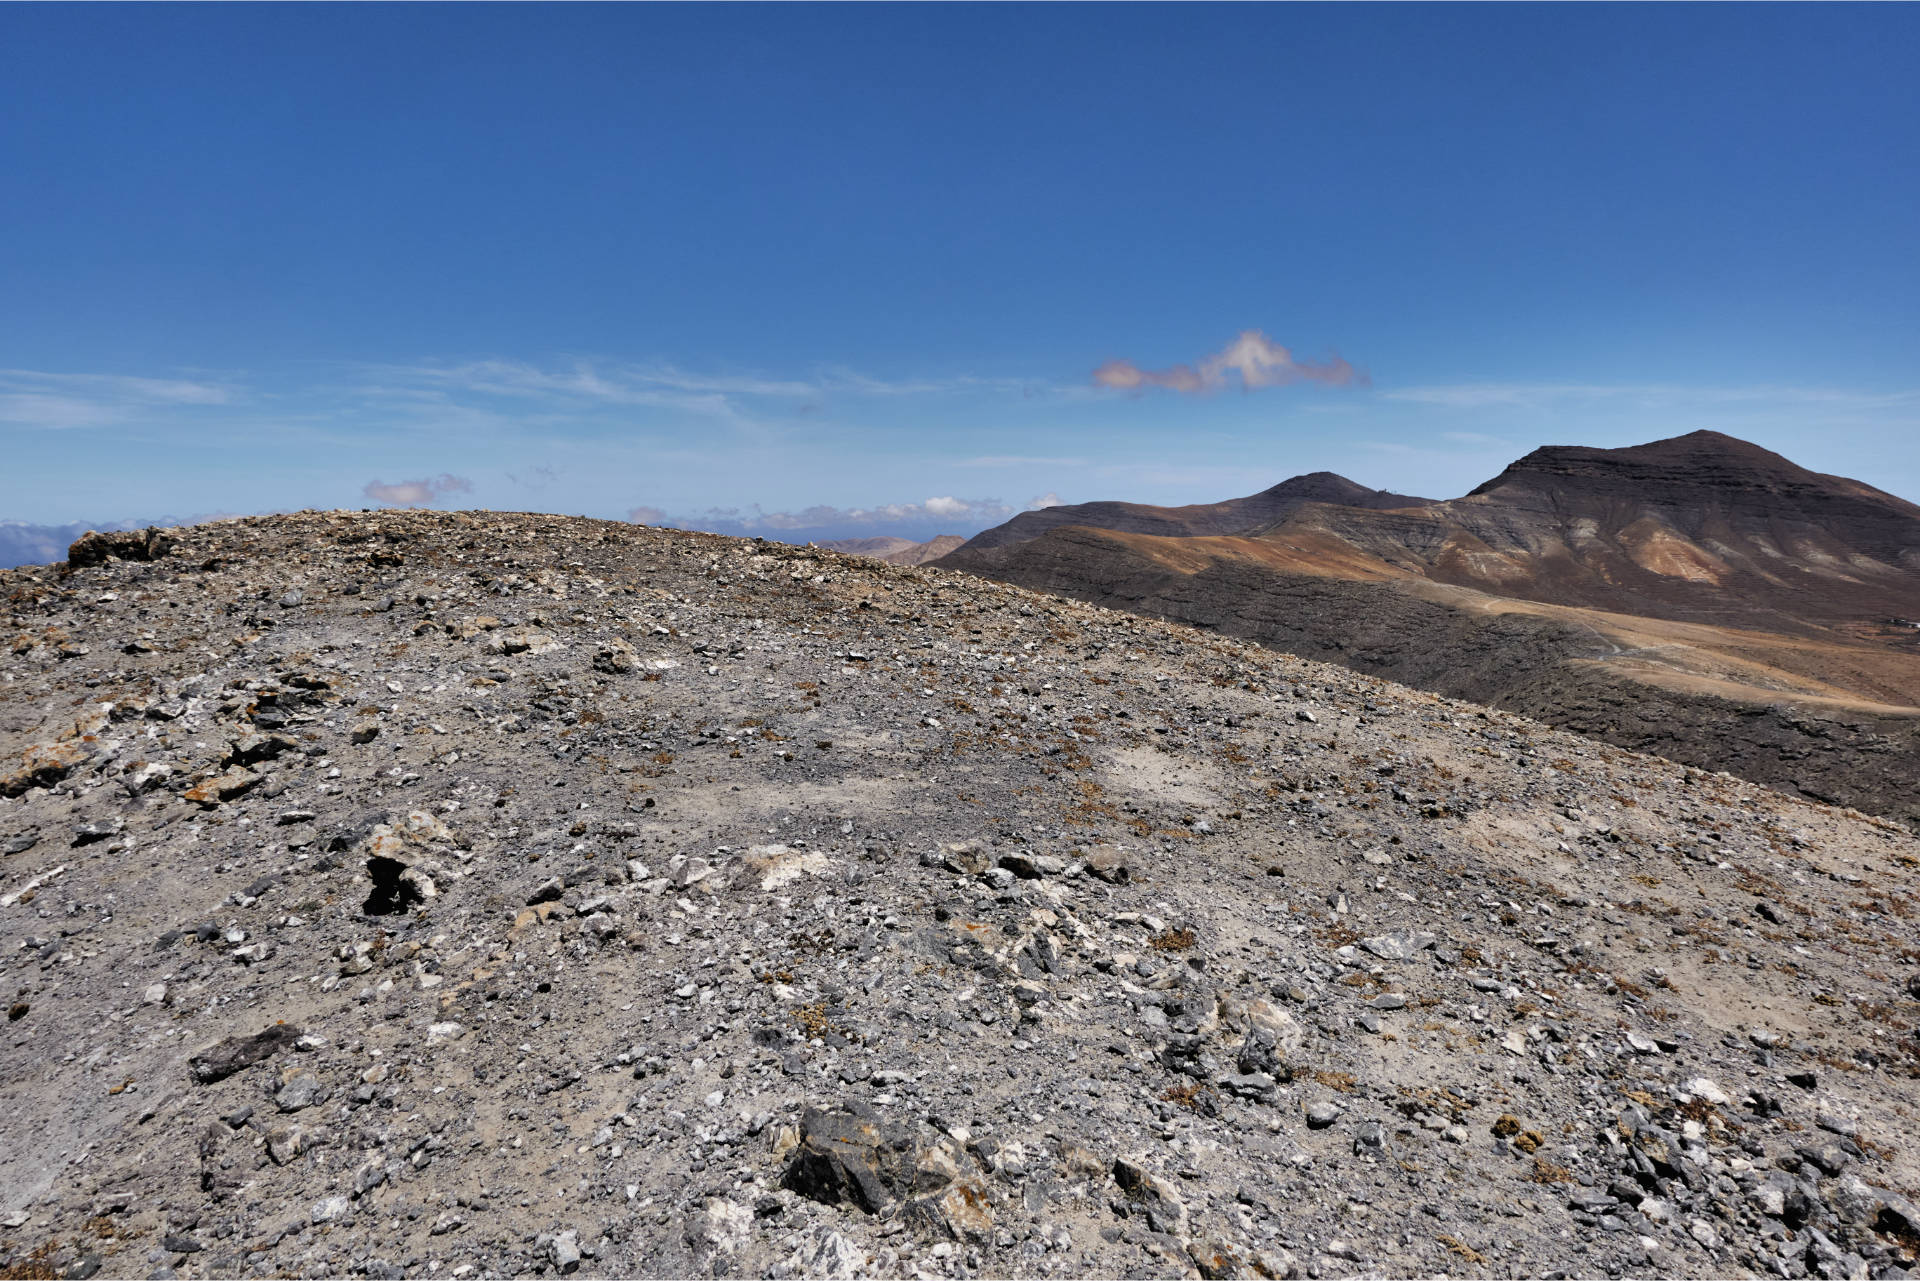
1791	582
1235	515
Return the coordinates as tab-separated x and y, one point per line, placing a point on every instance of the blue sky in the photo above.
863	262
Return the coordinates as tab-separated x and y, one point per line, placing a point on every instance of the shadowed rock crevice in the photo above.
392	894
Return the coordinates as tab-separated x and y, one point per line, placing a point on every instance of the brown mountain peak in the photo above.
1709	458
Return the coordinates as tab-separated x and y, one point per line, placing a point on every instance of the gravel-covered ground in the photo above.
475	894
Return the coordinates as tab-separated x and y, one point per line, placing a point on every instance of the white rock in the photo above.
831	1257
564	1250
327	1211
689	871
1701	1087
772	866
727	1226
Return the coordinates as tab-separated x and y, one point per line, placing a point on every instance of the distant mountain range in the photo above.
1701	597
1235	516
24	544
899	551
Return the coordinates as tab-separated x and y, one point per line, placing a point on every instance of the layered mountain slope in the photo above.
1658	597
408	894
1235	516
1701	527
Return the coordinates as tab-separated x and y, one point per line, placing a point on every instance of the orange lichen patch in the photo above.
1187	1094
42	765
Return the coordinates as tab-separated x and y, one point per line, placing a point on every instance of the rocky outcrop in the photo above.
93	547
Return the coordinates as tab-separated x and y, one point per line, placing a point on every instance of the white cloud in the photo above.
156	390
1048	499
1260	362
37	409
417	493
34	398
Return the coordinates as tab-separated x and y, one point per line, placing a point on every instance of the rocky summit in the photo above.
479	895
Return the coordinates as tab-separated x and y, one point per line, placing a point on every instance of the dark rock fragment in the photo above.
105	829
841	1159
238	1052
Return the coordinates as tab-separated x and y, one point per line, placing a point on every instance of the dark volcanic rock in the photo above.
238	1052
848	1158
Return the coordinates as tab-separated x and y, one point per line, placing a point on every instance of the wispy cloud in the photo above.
1019	460
580	386
1256	358
536	477
1497	395
839	378
32	398
588	384
179	391
417	493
